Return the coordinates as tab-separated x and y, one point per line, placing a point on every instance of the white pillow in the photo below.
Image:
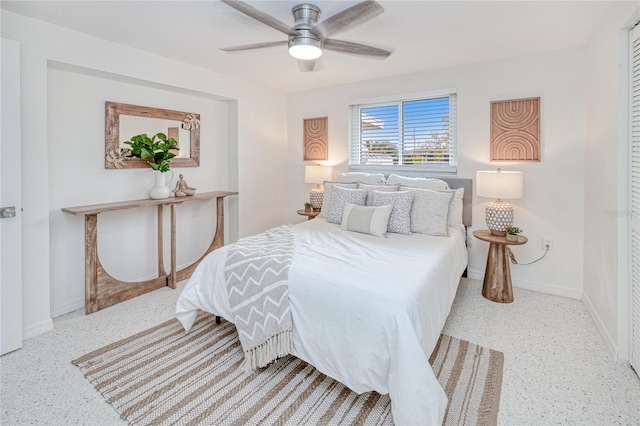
340	197
371	188
430	211
400	219
372	178
455	208
328	190
367	220
424	183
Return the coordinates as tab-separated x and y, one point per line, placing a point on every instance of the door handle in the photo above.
7	212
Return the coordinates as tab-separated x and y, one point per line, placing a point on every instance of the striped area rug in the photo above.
163	377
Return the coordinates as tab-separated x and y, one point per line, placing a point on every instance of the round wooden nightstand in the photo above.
310	215
497	274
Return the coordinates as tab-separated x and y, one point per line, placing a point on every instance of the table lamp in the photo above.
501	185
317	175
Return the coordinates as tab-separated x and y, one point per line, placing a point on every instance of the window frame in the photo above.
355	109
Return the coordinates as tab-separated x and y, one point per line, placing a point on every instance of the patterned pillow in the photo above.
340	197
430	211
328	191
400	220
367	220
371	188
455	208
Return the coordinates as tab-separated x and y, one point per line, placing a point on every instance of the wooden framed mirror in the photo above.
123	121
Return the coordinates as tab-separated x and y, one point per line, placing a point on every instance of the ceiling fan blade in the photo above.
306	66
254	46
355	48
260	16
348	18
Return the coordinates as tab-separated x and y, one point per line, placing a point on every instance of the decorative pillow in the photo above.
340	197
430	211
424	183
367	220
372	178
400	219
371	188
455	208
328	190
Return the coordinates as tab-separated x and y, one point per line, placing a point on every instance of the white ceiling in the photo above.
423	35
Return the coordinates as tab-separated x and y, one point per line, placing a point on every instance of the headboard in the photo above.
467	184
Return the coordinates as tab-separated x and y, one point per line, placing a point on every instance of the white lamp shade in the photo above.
317	174
499	184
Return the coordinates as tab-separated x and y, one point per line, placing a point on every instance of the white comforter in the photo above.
366	311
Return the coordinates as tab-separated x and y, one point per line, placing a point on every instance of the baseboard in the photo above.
37	329
78	303
535	286
69	306
608	341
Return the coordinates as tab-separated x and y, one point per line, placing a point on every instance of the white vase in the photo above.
161	190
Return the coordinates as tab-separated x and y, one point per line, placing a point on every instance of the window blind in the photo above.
417	134
635	198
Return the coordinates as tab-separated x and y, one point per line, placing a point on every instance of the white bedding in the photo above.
366	310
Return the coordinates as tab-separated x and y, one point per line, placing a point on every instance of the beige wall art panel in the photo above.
515	130
316	144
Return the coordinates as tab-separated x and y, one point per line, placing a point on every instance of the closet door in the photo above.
635	198
10	199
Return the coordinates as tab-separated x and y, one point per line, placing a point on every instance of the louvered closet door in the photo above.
635	199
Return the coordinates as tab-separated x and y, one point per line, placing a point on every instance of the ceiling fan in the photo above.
307	37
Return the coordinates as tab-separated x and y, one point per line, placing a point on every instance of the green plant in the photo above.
157	150
307	205
513	230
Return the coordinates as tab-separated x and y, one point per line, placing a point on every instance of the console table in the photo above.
101	289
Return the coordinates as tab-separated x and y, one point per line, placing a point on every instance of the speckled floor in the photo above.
557	369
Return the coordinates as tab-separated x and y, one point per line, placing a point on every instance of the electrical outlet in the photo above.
547	243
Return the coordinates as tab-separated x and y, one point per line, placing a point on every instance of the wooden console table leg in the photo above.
91	263
172	274
218	238
497	275
161	270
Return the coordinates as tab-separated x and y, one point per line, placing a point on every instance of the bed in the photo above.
366	310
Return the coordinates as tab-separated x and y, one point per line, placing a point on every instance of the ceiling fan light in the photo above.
305	48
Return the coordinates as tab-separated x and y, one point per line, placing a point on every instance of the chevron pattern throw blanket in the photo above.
256	273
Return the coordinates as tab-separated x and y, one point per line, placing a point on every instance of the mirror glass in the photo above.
123	121
131	125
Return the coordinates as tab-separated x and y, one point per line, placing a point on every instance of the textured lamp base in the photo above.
316	196
498	216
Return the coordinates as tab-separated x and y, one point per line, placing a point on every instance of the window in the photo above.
415	134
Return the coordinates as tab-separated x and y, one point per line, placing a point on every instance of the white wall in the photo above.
256	144
553	188
606	287
76	108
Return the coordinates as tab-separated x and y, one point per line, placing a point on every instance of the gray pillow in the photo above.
400	219
430	211
373	178
328	190
367	220
340	197
424	183
371	188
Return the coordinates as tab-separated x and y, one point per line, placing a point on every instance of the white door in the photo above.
635	199
10	200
